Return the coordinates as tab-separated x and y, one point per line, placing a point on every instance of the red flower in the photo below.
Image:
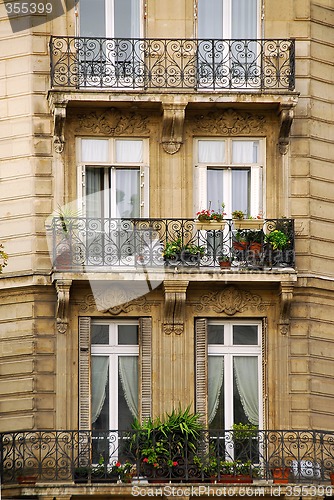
175	464
118	464
145	460
156	464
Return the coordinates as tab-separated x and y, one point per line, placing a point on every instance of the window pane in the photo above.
211	151
92	18
126	18
128	193
94	150
128	334
100	334
129	151
245	151
127	391
215	334
240	190
210	19
245	388
100	392
244	19
215	185
245	335
216	405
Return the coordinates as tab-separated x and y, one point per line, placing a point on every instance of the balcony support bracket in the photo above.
59	115
175	300
286	117
172	127
286	295
63	303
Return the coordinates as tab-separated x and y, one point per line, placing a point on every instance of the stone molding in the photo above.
286	117
286	296
114	301
113	122
172	127
59	117
230	300
175	300
229	122
63	303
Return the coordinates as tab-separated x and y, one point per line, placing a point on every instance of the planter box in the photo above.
248	223
281	475
210	225
230	478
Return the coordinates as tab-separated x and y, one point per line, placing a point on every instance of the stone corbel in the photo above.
286	295
63	293
172	128
59	115
286	122
175	299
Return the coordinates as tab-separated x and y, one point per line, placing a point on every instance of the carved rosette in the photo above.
113	122
230	301
229	122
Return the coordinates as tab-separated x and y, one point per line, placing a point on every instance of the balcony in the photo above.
118	456
174	64
82	244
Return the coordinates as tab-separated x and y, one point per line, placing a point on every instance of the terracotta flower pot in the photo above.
281	474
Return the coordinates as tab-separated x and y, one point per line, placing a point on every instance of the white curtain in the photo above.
94	150
129	151
210	19
128	372
215	188
215	384
94	188
246	375
244	19
211	151
127	193
100	365
244	152
240	190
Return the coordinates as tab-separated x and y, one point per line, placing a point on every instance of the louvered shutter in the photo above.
84	373
201	367
145	353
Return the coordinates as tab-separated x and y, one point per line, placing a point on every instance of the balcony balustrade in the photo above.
101	244
100	456
181	64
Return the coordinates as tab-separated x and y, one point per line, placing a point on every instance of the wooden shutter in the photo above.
201	367
84	373
145	351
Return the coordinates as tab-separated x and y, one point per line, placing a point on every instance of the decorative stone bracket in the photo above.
286	122
59	115
286	295
175	299
63	292
172	128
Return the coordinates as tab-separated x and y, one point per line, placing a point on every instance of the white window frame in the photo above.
113	351
229	352
112	164
257	184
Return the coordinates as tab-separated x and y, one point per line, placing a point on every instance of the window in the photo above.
114	374
111	62
233	373
229	171
113	177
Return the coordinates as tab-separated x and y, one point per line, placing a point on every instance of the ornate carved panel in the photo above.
230	301
229	122
112	122
114	301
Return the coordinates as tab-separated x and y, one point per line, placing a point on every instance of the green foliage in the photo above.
3	258
238	214
277	239
244	431
176	248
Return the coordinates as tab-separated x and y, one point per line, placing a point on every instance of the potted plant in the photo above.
224	261
242	221
235	472
277	239
26	475
210	220
176	252
281	474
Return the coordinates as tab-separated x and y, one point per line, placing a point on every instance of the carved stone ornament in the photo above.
230	301
286	295
112	122
63	293
115	300
59	116
286	122
175	299
172	129
229	122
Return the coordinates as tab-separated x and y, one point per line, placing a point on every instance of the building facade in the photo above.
120	121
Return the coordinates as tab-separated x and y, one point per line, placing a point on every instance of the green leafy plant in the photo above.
244	431
177	249
277	239
208	214
3	258
238	214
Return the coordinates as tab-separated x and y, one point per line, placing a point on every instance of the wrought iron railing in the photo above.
100	243
116	63
96	456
